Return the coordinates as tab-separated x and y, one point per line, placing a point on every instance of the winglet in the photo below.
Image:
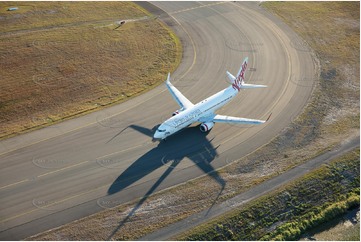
168	78
177	95
269	117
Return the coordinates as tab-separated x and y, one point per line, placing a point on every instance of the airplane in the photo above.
203	112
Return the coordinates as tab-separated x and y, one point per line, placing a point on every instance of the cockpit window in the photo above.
161	130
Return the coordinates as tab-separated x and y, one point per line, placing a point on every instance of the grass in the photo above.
334	108
293	209
343	228
319	215
62	59
37	15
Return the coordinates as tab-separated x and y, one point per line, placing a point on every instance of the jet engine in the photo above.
205	127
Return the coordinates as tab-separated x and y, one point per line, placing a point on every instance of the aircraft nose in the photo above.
156	136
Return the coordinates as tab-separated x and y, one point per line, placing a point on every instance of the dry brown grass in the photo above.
63	59
332	29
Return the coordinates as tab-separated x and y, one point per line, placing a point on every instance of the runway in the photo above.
79	167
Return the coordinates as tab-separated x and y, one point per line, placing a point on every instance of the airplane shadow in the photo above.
189	143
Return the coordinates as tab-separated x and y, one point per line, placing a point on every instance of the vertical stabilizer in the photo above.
238	81
242	71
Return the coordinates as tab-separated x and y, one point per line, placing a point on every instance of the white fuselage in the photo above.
200	112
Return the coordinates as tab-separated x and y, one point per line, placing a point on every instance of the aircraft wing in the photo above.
235	120
182	101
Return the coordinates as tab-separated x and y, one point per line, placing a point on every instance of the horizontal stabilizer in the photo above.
231	80
230	77
249	86
238	82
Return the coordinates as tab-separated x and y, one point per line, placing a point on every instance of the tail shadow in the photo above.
190	143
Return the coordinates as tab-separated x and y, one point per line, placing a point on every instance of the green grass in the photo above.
62	59
342	228
291	210
318	215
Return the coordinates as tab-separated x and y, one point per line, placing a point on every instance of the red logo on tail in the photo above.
240	78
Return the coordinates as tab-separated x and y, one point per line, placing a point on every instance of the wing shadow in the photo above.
190	143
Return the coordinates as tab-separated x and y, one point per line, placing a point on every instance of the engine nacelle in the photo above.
205	127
